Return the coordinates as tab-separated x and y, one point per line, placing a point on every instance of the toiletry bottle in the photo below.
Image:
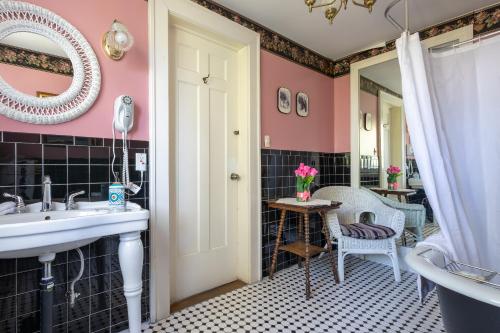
117	196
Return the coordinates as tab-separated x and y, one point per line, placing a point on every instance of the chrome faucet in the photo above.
70	200
20	206
47	194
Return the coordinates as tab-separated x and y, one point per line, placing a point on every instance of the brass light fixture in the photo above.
331	11
117	41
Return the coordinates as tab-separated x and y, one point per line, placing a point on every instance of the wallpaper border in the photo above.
274	42
484	20
18	56
373	87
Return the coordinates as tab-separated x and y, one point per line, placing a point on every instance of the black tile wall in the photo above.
73	163
278	180
420	197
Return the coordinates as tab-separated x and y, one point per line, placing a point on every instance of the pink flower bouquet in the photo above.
305	176
393	172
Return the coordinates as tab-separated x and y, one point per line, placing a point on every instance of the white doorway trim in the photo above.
249	211
386	98
461	34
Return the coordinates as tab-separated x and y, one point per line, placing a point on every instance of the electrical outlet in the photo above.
141	162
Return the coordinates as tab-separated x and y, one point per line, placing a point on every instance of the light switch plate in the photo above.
267	141
141	162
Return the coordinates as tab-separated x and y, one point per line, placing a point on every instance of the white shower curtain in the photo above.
452	105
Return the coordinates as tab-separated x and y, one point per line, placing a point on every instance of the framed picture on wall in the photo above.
302	104
284	100
43	94
368	121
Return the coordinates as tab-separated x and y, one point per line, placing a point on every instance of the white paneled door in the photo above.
204	90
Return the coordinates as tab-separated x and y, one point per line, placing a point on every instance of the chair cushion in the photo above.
366	231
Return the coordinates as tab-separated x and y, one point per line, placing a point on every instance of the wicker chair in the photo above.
356	202
414	214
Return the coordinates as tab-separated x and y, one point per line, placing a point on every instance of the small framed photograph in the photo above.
43	94
302	104
284	100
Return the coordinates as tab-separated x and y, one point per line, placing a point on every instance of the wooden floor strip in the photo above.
204	296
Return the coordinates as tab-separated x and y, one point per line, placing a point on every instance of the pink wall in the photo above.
290	131
342	114
128	76
38	80
326	129
368	103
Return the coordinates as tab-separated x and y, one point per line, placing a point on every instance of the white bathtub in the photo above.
466	305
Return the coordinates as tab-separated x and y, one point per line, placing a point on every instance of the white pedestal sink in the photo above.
415	183
42	234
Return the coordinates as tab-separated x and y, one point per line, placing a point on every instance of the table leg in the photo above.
300	235
326	231
307	259
278	241
300	231
399	198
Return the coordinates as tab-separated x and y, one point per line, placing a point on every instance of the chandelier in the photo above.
331	11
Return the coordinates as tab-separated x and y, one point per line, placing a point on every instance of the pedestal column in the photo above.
131	255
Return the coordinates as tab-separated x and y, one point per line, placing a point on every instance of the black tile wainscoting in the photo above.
420	197
278	180
73	163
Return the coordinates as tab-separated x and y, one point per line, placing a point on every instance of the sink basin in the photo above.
415	183
36	233
42	234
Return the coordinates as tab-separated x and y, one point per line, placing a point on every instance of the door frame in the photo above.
384	97
161	12
460	34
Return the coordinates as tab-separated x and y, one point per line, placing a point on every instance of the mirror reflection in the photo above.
384	138
34	65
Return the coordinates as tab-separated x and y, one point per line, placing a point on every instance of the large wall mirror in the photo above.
49	73
379	135
384	143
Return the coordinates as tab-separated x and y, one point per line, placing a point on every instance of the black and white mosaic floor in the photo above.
411	241
369	301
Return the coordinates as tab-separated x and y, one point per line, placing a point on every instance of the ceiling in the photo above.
352	30
387	74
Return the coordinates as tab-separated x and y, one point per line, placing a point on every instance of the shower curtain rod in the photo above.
393	21
478	38
406	28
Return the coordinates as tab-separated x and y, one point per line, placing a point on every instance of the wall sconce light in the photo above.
117	41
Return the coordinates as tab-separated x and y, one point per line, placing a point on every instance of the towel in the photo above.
313	202
7	208
439	257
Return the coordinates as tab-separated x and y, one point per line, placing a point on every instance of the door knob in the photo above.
235	176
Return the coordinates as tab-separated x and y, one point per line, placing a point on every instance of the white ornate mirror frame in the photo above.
17	16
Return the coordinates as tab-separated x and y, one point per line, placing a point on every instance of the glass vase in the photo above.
392	183
303	191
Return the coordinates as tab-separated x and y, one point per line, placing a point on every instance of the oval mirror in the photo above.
21	20
35	65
